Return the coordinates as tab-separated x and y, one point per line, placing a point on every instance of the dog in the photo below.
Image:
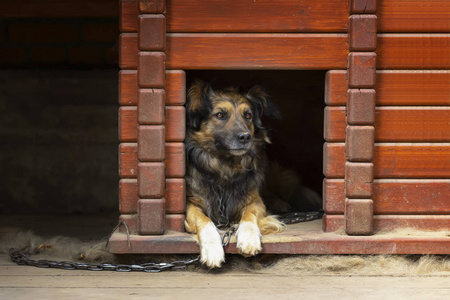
226	163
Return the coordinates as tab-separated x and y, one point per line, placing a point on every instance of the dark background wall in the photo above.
58	105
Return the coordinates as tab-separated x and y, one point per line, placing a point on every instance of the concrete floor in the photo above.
24	282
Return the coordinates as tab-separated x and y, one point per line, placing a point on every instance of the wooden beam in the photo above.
413	16
256	51
129	14
290	51
312	240
395	160
392	223
395	124
395	196
413	51
257	16
396	88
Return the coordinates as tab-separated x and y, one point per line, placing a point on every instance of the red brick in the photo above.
175	195
128	160
362	6
86	55
175	160
152	32
151	106
48	55
128	88
12	56
128	124
359	143
152	6
362	32
151	180
128	196
34	32
175	87
358	180
151	69
128	51
175	222
361	107
358	216
100	32
129	222
151	216
151	142
361	69
332	223
175	122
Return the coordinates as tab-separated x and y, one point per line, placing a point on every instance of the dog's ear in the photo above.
262	103
198	103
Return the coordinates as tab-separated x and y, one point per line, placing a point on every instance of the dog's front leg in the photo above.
248	233
208	237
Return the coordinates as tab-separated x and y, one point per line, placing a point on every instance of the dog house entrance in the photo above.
297	138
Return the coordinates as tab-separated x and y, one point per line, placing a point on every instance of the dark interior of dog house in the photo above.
297	138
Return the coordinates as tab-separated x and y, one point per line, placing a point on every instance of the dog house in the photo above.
386	151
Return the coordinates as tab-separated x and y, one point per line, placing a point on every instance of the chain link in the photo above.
20	257
297	217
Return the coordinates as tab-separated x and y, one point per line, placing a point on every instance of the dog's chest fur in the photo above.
222	183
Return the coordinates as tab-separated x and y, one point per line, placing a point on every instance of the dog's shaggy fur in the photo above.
226	164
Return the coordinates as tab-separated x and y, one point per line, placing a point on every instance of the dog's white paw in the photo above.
248	239
211	250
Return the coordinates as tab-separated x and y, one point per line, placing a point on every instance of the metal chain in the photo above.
297	217
20	257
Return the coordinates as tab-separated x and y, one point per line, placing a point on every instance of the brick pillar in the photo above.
152	128
161	134
360	131
152	188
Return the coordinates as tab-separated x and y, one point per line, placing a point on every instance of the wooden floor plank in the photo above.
294	287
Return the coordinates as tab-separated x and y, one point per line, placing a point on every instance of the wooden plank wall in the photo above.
412	121
412	83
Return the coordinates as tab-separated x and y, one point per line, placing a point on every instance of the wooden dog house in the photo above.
386	156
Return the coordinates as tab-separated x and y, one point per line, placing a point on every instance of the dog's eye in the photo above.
219	115
248	116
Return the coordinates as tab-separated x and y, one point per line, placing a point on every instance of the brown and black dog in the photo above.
225	144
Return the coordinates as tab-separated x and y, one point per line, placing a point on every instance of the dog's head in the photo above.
226	120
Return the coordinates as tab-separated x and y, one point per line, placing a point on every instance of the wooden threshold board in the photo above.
301	238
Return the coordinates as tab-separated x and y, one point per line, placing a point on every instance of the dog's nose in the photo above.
244	137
